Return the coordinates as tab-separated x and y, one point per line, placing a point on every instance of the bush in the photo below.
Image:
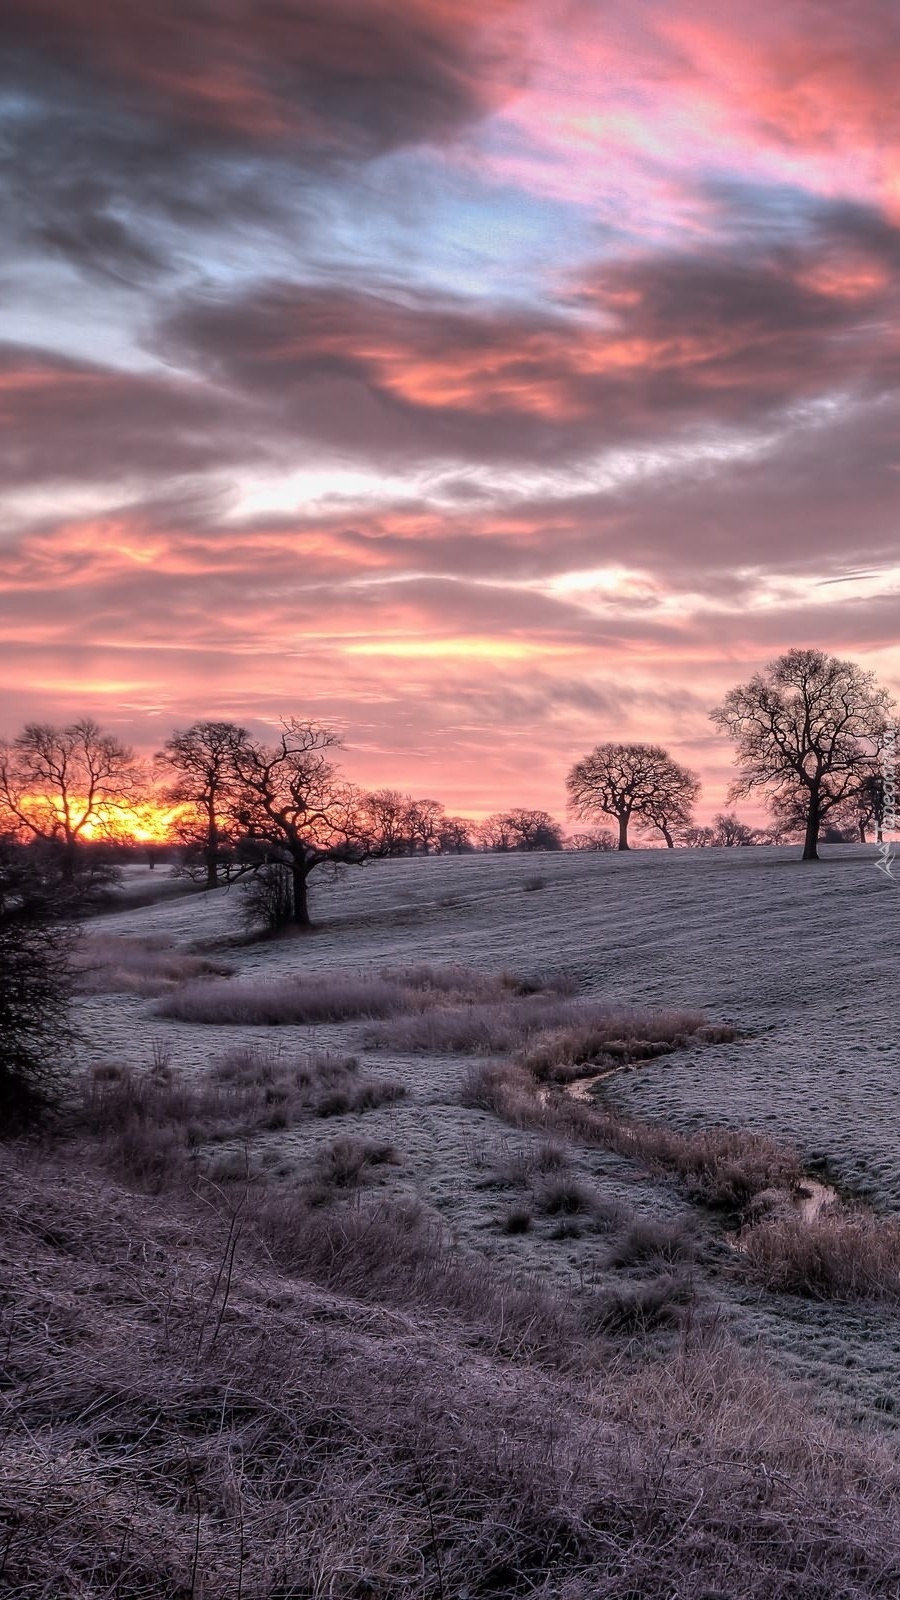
518	1219
35	990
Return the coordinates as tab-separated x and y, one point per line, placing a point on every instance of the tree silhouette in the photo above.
67	784
809	729
203	759
298	813
632	781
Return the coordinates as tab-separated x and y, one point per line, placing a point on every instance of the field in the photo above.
799	958
433	1161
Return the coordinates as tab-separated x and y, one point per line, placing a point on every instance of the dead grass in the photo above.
342	996
349	1162
842	1253
650	1239
155	1129
644	1308
107	964
721	1167
604	1038
181	1418
551	1035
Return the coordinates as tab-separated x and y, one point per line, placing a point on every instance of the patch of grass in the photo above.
518	1219
563	1196
284	1401
107	964
366	1094
721	1167
650	1239
152	1127
311	998
607	1038
517	1169
348	1162
842	1254
642	1308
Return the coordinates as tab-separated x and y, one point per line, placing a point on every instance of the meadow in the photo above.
470	1244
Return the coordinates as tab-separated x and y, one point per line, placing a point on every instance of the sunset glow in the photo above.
487	381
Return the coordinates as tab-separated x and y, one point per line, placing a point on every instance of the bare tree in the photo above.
626	781
669	807
730	831
424	821
389	814
297	811
496	832
808	729
697	838
203	760
533	830
457	836
67	784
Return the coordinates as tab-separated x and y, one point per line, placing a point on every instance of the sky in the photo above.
485	378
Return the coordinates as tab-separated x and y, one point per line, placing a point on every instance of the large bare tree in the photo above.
628	782
202	758
67	784
670	804
809	730
297	810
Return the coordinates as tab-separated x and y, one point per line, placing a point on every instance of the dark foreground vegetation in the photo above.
238	1389
226	1374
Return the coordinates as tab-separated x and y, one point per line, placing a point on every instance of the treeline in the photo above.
813	733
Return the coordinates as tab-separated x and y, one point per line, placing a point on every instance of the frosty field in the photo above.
800	958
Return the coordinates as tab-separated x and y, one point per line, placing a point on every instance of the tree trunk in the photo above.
623	831
300	915
862	832
212	849
810	852
670	842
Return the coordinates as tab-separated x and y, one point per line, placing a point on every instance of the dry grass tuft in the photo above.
841	1254
651	1240
107	964
642	1308
605	1038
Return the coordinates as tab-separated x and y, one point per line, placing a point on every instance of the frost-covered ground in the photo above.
802	957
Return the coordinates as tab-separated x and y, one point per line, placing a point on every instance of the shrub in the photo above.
35	992
348	1162
365	1095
